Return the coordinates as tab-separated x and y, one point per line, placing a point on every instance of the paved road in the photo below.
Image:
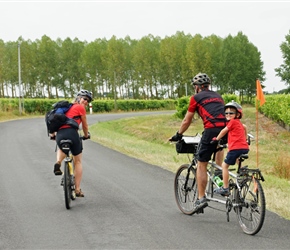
128	205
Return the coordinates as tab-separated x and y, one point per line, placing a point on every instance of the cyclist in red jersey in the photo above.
210	107
237	142
78	113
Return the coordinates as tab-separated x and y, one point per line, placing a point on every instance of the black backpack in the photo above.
56	117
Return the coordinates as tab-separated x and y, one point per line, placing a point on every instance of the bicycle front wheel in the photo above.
252	206
67	186
185	188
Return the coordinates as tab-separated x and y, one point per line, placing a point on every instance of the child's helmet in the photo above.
236	106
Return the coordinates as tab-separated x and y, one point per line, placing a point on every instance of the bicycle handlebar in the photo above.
84	138
250	138
81	137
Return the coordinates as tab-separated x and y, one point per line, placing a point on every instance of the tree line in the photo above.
149	68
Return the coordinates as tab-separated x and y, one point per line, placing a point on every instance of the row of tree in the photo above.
126	68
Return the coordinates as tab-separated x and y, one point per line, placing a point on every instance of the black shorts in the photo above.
206	149
233	155
71	134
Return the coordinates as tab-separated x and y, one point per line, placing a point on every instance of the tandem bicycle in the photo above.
246	199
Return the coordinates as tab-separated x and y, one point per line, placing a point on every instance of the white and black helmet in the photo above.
86	93
236	106
201	79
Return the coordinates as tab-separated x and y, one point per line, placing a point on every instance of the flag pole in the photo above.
260	99
257	134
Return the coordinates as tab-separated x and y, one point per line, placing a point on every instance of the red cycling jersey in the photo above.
75	112
236	135
210	107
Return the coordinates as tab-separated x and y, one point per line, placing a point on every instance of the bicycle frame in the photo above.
69	160
211	175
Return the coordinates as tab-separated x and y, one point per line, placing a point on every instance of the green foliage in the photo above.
150	68
41	106
230	97
38	106
284	69
182	106
102	106
9	104
132	105
277	107
239	66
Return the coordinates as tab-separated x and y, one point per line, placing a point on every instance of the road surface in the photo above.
128	204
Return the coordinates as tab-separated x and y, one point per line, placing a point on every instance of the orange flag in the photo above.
260	94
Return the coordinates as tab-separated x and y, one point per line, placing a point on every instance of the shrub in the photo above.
182	106
230	97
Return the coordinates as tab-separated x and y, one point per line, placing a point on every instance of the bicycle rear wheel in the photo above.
67	186
185	188
252	206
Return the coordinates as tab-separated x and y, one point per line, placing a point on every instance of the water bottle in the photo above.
218	181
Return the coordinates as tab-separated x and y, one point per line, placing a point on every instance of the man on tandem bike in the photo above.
210	107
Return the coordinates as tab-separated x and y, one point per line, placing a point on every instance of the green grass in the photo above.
14	115
146	138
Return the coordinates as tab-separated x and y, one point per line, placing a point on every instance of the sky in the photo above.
265	23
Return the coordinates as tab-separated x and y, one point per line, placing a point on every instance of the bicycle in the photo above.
68	180
246	197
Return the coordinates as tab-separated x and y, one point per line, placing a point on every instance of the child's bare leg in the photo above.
225	168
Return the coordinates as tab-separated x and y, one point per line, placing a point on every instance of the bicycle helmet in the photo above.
236	106
201	79
86	93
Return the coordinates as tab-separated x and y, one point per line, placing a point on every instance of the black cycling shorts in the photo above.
206	149
71	134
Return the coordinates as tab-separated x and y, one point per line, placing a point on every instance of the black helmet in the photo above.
201	79
85	93
236	106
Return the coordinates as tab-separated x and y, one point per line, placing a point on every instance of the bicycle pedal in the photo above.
73	195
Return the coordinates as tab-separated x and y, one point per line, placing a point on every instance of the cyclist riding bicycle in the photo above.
77	112
237	142
210	107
